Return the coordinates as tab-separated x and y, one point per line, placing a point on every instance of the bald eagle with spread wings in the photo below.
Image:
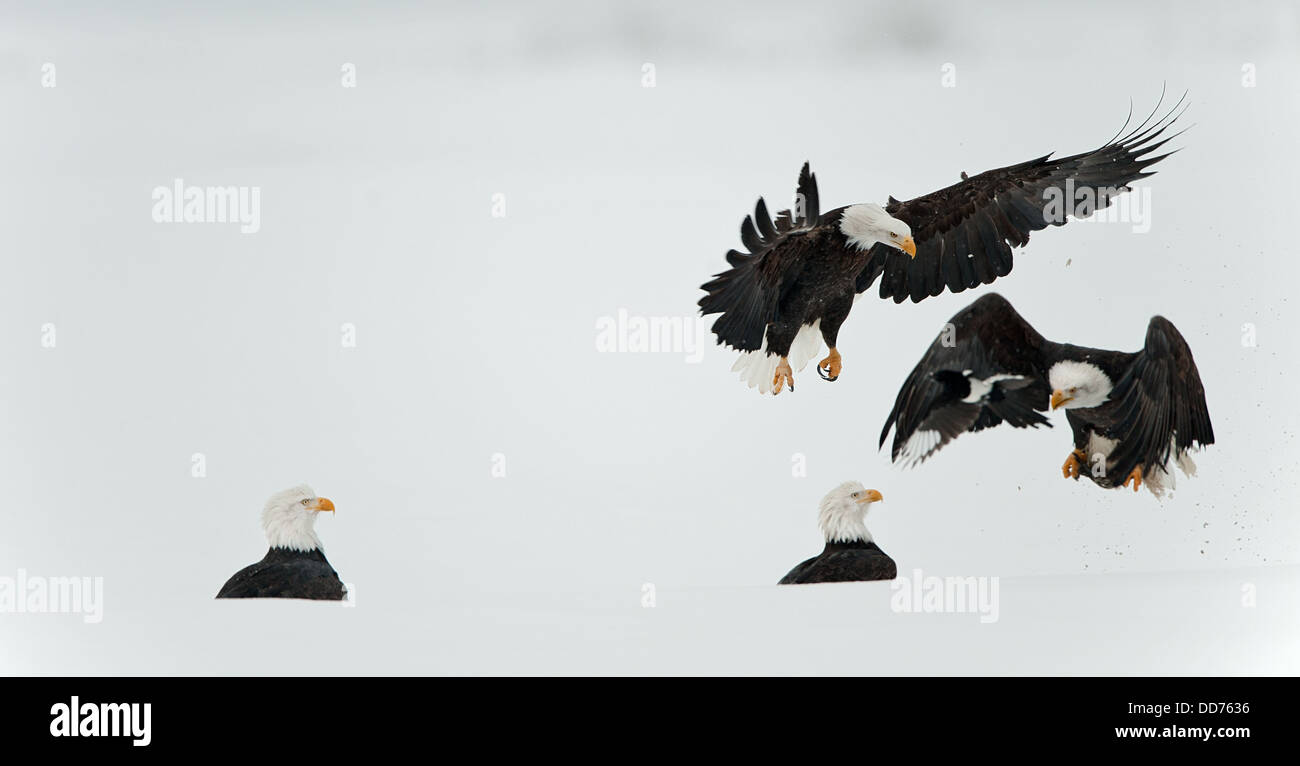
1134	415
803	271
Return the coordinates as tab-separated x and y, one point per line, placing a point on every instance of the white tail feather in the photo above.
757	368
1159	480
1164	475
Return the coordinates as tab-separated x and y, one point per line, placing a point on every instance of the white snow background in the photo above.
476	335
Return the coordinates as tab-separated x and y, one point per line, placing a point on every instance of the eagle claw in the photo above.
1071	468
830	367
784	376
1134	476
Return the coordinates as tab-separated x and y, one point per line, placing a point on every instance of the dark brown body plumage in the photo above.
844	562
824	291
284	573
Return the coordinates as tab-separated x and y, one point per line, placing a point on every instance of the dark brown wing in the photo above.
987	342
1160	403
747	295
964	233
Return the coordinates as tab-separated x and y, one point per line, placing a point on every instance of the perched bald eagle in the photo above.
1134	415
802	272
295	566
850	553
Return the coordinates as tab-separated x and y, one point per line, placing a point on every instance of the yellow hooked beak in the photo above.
322	504
908	245
871	496
1059	398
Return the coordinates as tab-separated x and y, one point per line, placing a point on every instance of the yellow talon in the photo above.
1134	476
1072	463
784	376
830	367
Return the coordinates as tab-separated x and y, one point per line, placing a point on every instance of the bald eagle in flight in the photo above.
802	272
295	566
850	553
1134	415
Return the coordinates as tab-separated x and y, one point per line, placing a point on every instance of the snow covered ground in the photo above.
477	336
1159	623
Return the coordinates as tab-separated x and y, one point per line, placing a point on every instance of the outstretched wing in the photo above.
747	295
986	367
964	233
1160	403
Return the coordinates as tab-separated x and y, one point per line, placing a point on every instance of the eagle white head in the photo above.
844	510
865	225
289	518
1078	385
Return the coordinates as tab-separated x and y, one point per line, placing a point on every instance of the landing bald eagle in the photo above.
1134	415
294	566
803	271
850	554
